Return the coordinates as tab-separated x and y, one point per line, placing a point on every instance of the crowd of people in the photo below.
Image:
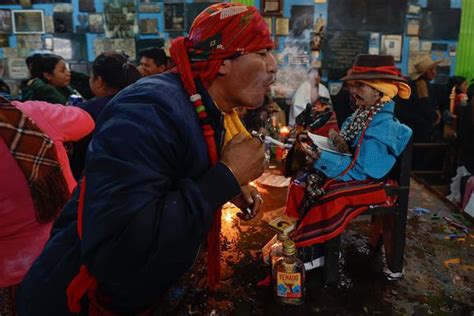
106	202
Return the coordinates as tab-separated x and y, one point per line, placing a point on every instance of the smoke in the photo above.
293	63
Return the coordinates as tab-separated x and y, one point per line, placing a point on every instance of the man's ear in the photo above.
47	76
162	68
225	67
100	81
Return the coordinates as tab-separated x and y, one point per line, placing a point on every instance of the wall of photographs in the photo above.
318	33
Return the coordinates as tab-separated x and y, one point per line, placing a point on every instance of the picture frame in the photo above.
63	22
5	21
121	19
282	26
4	41
96	23
17	68
271	7
174	16
413	27
392	45
268	21
151	6
86	6
28	21
29	41
148	26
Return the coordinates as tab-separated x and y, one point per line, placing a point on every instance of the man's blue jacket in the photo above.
150	196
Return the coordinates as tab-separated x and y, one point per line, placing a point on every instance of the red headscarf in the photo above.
223	30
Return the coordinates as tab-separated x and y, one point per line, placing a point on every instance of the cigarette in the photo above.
270	140
258	135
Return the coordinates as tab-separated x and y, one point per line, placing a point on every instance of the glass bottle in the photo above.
276	250
289	276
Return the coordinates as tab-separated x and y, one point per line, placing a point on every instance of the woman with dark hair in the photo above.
50	80
111	72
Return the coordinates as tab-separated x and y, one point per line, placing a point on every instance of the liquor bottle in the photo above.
289	276
276	250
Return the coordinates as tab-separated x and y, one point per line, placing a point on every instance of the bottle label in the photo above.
289	285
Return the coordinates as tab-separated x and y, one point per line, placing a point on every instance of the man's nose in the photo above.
271	63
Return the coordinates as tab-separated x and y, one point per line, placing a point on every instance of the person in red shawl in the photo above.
167	153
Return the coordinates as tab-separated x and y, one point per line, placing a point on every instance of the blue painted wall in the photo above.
320	8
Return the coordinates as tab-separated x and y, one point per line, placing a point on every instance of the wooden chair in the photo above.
392	219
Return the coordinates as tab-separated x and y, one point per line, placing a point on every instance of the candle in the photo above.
284	132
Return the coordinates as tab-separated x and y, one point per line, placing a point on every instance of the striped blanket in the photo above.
329	215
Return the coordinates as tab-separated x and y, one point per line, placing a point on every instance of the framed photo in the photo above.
63	47
268	21
28	21
174	16
96	23
5	21
413	27
414	9
17	68
148	26
25	3
48	43
271	7
86	6
29	41
149	6
282	26
48	24
4	42
62	22
392	45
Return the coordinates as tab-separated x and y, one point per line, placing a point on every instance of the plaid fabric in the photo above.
35	154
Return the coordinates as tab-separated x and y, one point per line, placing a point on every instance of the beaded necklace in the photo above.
359	120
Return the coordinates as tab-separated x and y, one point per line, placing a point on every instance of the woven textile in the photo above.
35	154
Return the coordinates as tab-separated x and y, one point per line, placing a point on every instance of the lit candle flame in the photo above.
284	131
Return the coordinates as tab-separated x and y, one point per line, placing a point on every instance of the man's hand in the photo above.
338	141
248	199
245	157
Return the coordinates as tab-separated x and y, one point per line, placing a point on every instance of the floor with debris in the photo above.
439	269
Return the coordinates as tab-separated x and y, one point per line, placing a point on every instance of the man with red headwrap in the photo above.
167	153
